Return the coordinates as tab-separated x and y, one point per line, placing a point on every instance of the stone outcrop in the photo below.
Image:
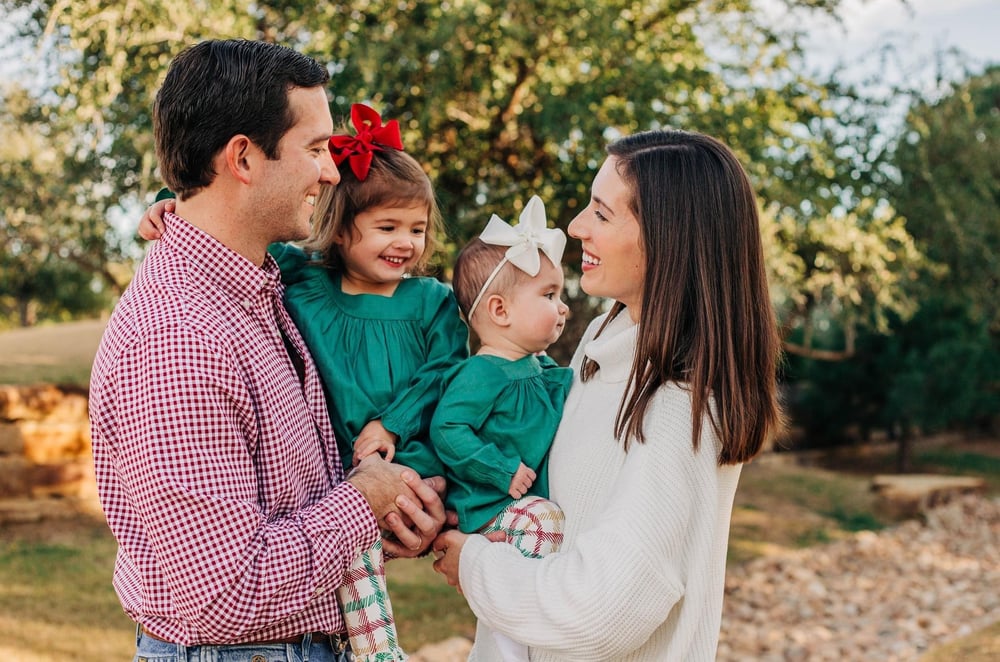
910	495
44	448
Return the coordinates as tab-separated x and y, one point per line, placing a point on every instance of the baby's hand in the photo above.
522	481
374	438
151	226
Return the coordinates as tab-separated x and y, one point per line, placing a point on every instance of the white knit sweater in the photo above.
640	574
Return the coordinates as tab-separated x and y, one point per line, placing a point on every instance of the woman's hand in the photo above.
447	550
151	225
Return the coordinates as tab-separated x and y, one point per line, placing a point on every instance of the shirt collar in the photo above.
232	273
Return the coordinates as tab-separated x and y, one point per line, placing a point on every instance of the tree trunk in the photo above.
905	451
27	312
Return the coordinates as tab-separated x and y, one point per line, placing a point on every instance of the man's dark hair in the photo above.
218	89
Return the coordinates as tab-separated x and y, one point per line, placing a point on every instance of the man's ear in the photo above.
239	156
496	307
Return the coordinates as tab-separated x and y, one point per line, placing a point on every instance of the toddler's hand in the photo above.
151	226
374	438
522	481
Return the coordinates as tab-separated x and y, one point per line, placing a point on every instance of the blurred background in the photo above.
870	128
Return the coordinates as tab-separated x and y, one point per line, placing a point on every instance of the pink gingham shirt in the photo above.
216	468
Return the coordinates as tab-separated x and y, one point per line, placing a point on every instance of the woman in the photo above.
674	389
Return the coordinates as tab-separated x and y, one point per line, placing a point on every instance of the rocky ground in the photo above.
888	596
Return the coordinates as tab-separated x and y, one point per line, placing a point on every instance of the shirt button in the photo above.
247	304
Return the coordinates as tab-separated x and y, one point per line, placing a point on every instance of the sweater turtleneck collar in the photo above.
614	349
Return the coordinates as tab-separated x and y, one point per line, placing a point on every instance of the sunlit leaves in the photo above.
854	269
499	101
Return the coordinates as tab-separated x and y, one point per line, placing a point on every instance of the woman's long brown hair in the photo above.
706	321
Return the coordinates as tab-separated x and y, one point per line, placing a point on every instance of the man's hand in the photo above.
406	505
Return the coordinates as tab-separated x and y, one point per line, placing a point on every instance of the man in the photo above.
216	463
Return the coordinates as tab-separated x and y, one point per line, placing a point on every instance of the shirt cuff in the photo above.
345	511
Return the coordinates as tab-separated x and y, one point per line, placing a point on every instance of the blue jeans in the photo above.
151	649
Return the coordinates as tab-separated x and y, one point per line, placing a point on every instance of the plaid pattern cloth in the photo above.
533	525
364	599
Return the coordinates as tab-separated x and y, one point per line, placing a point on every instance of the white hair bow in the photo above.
525	239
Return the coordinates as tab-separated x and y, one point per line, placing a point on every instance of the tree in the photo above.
53	262
501	100
937	366
853	271
949	189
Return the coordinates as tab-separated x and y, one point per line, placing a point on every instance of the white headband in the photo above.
525	240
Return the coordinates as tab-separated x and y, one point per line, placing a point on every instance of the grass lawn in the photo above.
57	601
53	354
982	646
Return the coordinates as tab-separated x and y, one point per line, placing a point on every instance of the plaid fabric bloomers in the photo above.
364	598
532	524
216	467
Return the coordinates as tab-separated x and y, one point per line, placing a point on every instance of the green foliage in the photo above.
853	269
933	372
949	190
937	367
947	370
500	100
838	401
55	250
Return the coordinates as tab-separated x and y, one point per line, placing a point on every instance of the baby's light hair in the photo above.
473	267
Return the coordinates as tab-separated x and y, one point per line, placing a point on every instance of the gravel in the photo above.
888	595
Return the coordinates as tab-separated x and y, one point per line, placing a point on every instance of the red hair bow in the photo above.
371	137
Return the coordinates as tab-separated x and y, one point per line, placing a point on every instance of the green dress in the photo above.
379	357
494	414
